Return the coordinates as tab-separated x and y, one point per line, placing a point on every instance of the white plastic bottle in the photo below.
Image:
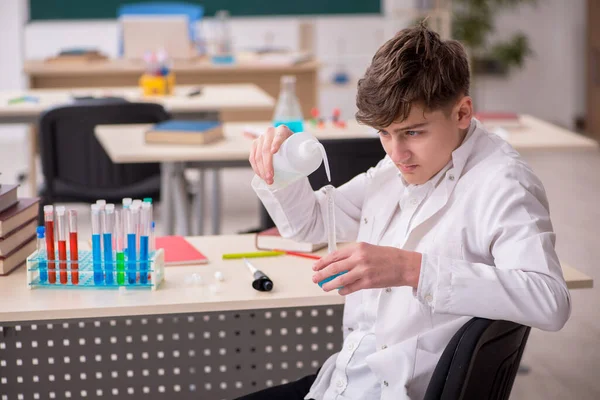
299	156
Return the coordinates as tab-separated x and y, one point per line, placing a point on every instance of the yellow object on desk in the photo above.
252	254
157	85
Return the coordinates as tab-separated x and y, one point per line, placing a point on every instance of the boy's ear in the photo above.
464	112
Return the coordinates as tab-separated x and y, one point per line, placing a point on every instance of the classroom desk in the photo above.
291	276
125	144
234	336
228	100
118	72
210	342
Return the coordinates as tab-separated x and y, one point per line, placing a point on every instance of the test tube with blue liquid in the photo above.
151	245
108	226
131	218
126	204
41	252
96	245
146	217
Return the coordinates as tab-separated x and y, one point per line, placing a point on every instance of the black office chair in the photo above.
347	158
76	167
480	362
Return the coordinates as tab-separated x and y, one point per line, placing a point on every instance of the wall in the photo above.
13	14
552	83
550	86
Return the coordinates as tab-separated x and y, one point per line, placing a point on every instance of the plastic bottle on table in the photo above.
299	156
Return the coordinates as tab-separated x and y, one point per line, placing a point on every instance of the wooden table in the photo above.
125	144
120	73
231	101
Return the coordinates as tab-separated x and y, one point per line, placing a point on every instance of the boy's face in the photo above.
423	143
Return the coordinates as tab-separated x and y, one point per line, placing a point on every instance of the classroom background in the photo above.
552	79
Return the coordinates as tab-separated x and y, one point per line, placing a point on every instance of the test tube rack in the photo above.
38	273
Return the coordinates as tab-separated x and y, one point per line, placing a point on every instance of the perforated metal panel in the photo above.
179	356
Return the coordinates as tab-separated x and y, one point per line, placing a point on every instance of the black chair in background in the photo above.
480	362
75	166
347	158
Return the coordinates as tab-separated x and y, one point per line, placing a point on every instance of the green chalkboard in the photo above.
107	9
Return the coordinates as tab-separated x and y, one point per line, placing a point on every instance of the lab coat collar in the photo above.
441	194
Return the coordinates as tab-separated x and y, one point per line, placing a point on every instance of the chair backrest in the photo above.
72	156
480	362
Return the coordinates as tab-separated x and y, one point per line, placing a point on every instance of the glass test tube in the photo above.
330	222
144	240
119	246
61	233
107	234
74	247
41	254
131	221
96	245
330	226
126	204
49	225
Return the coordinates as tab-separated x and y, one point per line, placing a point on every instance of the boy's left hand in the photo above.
369	267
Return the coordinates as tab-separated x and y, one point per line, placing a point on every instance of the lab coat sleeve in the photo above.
299	212
525	284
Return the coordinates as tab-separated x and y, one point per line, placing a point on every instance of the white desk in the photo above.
125	144
292	277
228	98
180	334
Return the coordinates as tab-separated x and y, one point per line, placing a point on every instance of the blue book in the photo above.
185	132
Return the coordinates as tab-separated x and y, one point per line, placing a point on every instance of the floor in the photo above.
563	365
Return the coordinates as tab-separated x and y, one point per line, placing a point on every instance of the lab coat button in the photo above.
365	220
414	202
385	383
383	347
429	298
451	177
350	346
340	383
350	329
388	290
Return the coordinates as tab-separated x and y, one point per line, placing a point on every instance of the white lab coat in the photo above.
488	251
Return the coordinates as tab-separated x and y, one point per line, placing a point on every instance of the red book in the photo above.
179	251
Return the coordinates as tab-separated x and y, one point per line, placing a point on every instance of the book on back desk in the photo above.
13	217
185	132
8	196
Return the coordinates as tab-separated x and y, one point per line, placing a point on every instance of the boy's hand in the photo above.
263	148
368	267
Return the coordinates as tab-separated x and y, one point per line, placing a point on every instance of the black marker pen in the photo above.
261	281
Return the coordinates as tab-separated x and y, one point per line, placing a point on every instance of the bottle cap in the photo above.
41	231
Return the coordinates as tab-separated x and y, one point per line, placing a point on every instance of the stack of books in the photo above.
18	222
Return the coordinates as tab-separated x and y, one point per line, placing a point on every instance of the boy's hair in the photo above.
414	67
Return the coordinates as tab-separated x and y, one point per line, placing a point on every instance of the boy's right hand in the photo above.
263	148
